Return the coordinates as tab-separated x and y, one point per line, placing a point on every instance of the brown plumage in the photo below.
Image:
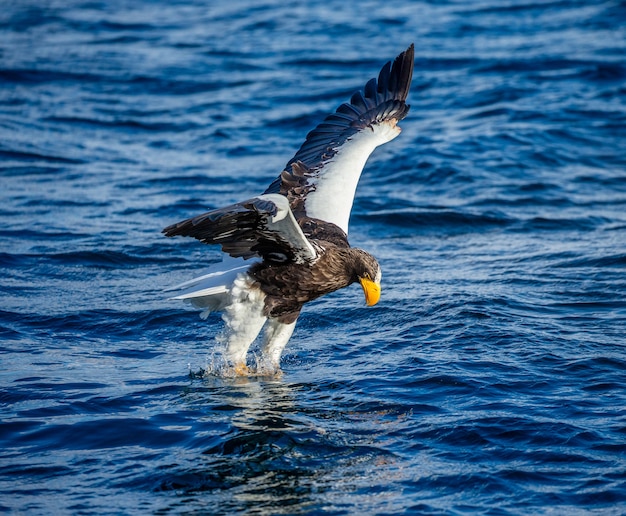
289	286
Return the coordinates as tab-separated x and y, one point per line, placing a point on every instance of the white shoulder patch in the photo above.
285	225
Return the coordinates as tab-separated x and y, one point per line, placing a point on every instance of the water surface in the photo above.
491	377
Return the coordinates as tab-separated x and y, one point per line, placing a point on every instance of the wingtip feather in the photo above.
382	100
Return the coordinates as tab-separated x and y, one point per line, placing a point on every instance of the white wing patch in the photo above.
336	183
285	225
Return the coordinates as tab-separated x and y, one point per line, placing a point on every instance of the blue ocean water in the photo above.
491	378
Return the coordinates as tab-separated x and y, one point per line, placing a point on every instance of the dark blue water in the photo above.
491	378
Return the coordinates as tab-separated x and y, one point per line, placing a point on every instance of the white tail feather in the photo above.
211	291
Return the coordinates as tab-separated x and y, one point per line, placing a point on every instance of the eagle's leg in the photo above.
244	320
275	339
239	335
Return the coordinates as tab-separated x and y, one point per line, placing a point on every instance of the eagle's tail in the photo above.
211	291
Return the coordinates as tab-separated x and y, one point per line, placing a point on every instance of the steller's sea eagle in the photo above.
290	244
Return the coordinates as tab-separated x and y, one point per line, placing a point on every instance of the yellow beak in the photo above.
371	289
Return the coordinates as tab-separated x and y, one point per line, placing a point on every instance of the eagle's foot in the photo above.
241	370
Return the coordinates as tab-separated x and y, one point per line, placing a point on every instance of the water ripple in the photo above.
490	378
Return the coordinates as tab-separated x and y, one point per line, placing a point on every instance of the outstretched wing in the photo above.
321	179
263	226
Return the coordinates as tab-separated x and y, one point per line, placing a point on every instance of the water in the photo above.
491	378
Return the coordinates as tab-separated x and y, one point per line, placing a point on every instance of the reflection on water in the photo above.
274	458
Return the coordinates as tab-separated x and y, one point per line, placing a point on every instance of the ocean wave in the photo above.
443	221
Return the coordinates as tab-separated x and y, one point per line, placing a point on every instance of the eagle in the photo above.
289	245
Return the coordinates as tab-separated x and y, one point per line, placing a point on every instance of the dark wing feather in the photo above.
380	101
262	226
